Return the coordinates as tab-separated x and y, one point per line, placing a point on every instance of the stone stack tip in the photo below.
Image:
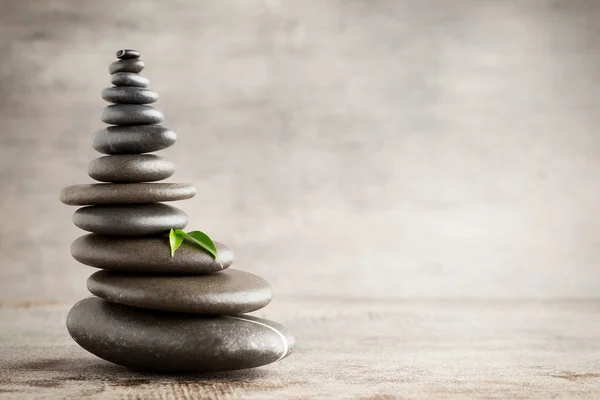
124	54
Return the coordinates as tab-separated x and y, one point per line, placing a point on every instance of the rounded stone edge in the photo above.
122	115
124	229
100	286
186	191
129	79
95	307
166	266
138	95
169	134
134	65
141	176
288	339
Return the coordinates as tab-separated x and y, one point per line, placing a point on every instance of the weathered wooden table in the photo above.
357	349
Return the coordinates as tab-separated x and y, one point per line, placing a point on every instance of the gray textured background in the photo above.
344	149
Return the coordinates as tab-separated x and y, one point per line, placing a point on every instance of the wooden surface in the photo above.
359	349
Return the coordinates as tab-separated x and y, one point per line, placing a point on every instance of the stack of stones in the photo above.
150	310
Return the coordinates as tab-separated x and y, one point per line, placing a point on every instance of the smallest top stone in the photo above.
127	53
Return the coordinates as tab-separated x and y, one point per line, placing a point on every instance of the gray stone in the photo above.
134	65
131	168
125	193
130	219
129	95
147	255
133	139
128	53
228	292
131	114
129	79
173	342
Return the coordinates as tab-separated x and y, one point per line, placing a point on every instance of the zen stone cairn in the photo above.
152	311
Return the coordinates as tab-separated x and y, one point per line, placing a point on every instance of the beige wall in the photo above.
355	149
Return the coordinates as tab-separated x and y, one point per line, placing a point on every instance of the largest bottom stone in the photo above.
172	342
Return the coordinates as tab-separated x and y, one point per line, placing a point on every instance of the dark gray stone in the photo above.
125	193
129	79
134	65
133	139
130	219
131	114
128	53
173	342
228	292
147	255
131	168
129	95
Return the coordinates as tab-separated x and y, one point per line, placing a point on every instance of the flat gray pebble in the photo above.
134	65
129	95
131	114
129	79
125	193
131	168
133	139
175	342
130	219
229	292
148	255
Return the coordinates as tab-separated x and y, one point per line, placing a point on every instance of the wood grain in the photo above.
353	349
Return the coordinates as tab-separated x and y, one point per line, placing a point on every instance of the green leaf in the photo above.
203	240
199	238
175	240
